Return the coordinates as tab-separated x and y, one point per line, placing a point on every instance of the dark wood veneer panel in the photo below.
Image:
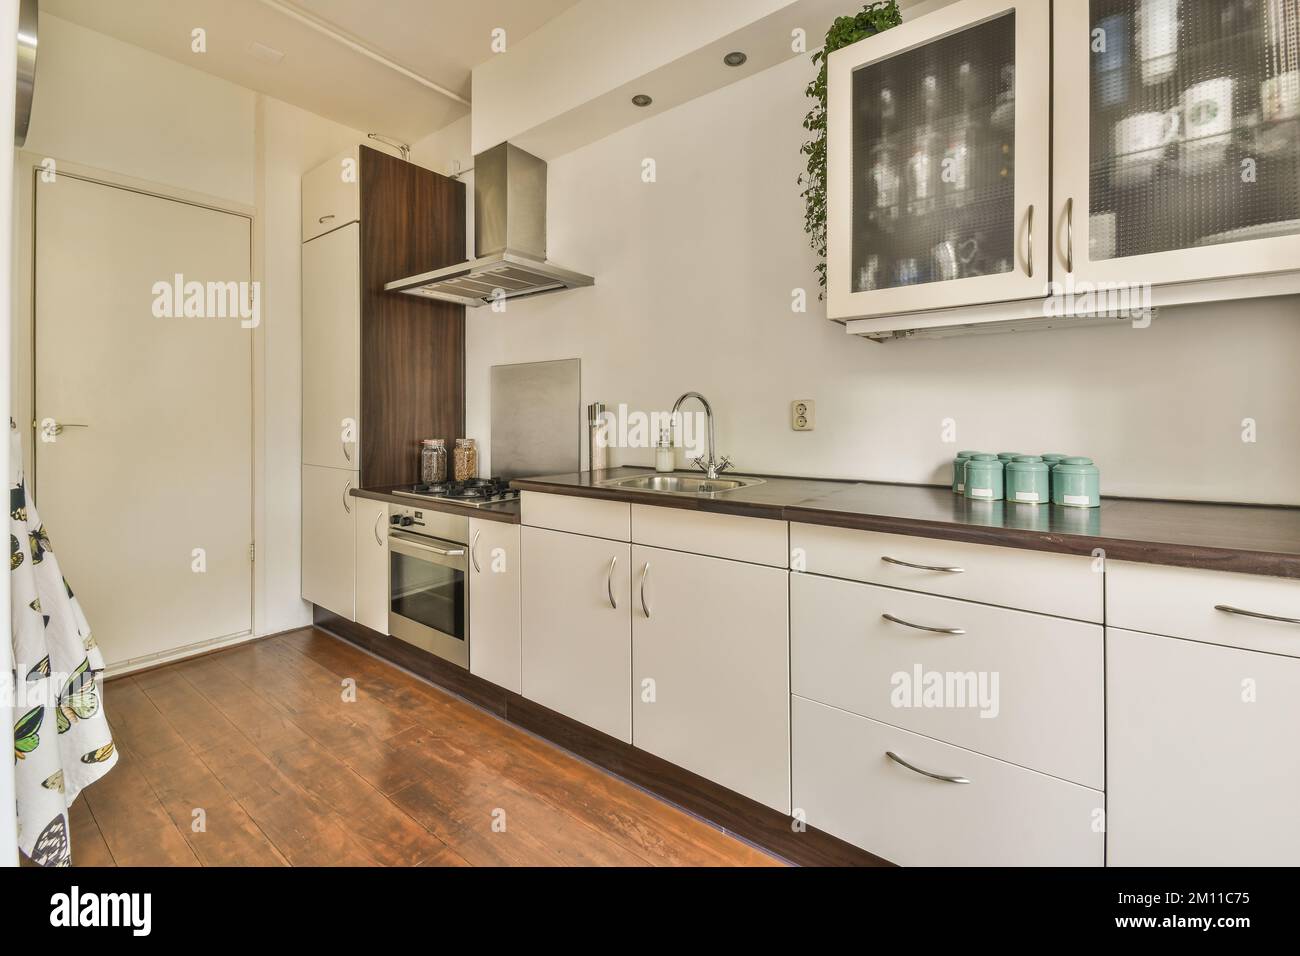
725	808
412	350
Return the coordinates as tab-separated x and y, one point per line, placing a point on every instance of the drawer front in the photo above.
1025	688
1201	765
330	198
756	540
1063	584
1005	816
593	517
1181	602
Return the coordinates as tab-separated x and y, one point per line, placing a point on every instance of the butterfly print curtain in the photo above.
61	738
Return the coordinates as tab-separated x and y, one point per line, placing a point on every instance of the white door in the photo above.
147	491
1201	765
494	622
938	148
1177	131
331	349
577	643
329	539
372	562
711	669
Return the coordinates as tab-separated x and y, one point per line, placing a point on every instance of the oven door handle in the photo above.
412	541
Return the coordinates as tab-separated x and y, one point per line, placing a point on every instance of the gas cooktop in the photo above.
474	493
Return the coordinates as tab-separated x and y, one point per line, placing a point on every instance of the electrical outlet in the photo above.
803	414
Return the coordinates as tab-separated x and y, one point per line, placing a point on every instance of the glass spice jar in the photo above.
465	459
433	461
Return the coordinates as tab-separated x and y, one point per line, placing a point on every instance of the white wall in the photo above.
120	109
693	283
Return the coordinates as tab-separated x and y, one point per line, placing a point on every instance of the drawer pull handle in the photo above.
325	219
645	608
1263	617
923	627
609	582
923	567
925	773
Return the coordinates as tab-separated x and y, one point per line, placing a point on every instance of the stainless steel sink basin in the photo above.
675	484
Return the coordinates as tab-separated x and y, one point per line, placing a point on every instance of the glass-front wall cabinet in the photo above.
1177	126
939	178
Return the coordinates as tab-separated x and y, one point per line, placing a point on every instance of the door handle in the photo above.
1069	234
473	550
645	608
609	583
378	518
1029	253
347	455
946	778
923	627
56	428
347	486
325	219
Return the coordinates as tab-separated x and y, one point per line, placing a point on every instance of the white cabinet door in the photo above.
328	538
372	563
494	621
331	349
331	195
1201	754
577	634
710	651
938	149
1176	140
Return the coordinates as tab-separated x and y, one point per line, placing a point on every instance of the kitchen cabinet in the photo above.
495	625
711	674
577	627
329	538
938	149
1171	127
1201	766
331	195
331	349
372	563
1177	125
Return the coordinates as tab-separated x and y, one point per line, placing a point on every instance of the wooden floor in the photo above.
287	773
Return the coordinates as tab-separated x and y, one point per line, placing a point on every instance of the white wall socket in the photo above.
803	414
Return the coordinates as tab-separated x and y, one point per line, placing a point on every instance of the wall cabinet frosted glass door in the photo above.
937	161
1177	132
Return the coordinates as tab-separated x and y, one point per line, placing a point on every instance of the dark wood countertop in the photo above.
507	512
1251	539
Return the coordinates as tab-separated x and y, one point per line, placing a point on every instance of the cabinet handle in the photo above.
1069	234
922	627
645	608
473	550
347	455
609	583
324	219
1263	617
946	778
923	567
1029	253
378	518
347	486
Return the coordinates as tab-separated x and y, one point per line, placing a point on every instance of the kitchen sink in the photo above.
681	484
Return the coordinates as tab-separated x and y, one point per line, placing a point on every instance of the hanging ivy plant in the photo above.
875	17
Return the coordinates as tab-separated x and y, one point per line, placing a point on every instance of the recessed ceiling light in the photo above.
735	58
641	100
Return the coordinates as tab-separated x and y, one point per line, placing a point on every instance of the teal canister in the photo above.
1027	481
1052	459
1006	456
1076	483
984	478
959	471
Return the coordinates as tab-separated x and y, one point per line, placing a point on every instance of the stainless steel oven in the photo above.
428	601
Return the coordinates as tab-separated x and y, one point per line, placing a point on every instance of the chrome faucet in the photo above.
712	467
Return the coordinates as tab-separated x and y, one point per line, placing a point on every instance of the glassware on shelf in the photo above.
465	459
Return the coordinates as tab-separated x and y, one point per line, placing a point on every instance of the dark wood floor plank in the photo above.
87	842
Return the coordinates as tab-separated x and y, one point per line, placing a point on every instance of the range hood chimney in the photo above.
509	238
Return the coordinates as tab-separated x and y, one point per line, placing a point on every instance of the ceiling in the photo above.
439	40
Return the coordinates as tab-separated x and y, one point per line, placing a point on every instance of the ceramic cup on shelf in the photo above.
1141	141
984	478
1076	483
1206	124
1026	481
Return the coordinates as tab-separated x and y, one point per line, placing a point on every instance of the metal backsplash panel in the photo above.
536	418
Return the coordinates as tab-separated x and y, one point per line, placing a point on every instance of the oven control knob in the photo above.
395	519
407	521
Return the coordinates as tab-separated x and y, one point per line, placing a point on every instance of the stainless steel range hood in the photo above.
509	238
